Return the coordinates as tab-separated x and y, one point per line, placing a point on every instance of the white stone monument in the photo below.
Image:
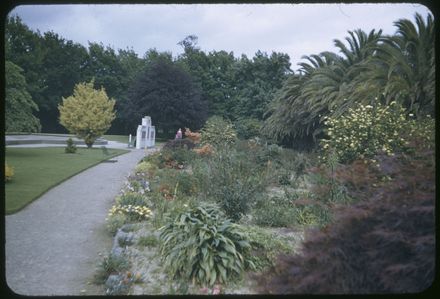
146	134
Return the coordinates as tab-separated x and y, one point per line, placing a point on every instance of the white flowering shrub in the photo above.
420	133
217	132
365	131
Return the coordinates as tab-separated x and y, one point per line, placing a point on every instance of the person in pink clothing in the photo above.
179	134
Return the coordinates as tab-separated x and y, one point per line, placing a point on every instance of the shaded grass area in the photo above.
36	170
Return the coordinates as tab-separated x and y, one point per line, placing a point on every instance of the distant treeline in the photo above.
259	94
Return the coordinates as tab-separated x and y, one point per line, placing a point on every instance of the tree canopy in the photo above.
259	94
19	106
167	93
371	69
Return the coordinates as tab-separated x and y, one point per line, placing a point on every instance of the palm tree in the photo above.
370	67
334	88
405	65
287	118
326	88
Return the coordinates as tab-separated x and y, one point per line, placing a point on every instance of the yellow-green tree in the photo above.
88	113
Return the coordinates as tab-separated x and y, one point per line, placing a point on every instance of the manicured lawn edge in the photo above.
15	210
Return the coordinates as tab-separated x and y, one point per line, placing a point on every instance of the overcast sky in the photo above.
295	29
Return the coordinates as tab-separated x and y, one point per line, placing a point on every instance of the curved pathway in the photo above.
53	244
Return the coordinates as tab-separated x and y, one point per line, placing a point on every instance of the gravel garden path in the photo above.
53	244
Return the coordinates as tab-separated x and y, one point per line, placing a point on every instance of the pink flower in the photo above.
216	290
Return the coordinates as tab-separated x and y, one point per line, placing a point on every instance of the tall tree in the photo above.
257	80
131	66
63	67
102	64
327	88
235	88
168	94
218	85
23	48
19	106
405	65
286	118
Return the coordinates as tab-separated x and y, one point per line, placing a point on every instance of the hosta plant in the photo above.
201	246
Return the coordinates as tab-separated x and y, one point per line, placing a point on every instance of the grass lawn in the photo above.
36	170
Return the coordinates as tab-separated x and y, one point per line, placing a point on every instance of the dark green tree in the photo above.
167	93
219	87
257	80
23	48
63	67
131	66
235	88
102	64
19	106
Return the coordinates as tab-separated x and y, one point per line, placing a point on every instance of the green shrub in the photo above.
132	198
110	264
155	159
170	158
364	131
292	210
269	152
265	247
232	180
218	132
148	241
420	134
309	215
187	185
275	212
182	156
114	222
202	246
71	147
297	162
175	144
248	128
146	168
173	184
166	210
325	185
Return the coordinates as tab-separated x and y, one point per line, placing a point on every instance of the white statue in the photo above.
146	134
